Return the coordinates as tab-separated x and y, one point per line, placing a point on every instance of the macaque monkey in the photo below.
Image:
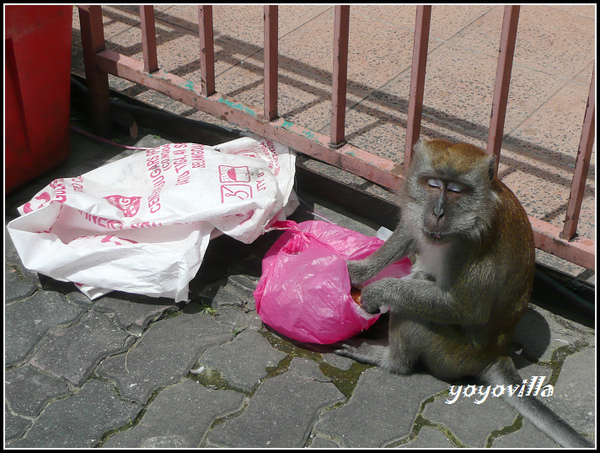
455	313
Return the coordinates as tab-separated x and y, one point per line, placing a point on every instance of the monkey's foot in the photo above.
378	355
364	353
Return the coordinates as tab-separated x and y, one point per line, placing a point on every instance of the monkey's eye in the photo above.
456	188
435	183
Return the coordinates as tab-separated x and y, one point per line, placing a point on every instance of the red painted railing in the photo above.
333	149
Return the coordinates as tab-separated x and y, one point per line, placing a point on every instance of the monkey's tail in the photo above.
503	372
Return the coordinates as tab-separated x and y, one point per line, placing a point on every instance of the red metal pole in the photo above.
148	38
340	74
508	40
271	61
92	39
417	81
207	50
582	165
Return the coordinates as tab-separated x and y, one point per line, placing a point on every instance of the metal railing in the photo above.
332	149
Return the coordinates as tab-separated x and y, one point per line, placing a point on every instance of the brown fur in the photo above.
472	279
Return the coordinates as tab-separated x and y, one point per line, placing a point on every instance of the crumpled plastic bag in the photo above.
142	224
304	290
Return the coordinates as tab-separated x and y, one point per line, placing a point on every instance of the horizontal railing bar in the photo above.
311	143
384	172
580	251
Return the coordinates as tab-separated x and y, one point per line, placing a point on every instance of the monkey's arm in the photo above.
425	299
398	245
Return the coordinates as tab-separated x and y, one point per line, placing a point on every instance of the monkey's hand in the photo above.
370	300
359	271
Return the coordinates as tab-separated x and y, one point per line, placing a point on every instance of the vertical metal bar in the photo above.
207	49
582	165
148	38
92	39
340	73
271	61
506	53
417	81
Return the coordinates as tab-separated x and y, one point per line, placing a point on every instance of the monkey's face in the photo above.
449	190
443	202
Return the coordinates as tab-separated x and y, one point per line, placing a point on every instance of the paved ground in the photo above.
129	371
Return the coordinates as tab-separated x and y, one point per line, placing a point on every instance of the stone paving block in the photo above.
80	420
233	359
14	426
232	301
492	414
74	352
541	332
134	313
28	275
28	390
573	382
77	297
566	400
237	291
307	369
429	438
178	417
281	413
321	442
527	436
164	354
343	363
15	287
239	319
163	442
382	409
27	321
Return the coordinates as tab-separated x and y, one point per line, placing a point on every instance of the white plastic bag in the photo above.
142	224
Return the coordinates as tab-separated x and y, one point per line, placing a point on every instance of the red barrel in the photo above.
37	90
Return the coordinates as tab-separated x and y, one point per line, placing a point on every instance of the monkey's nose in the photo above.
438	208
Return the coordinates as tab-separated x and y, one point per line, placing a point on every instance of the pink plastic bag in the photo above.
304	290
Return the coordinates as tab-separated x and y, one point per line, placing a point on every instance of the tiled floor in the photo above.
554	59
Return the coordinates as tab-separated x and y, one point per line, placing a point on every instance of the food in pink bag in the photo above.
304	292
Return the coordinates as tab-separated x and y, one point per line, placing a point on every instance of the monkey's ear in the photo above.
419	146
491	167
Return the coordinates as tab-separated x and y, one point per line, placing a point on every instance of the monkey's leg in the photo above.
397	357
450	353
